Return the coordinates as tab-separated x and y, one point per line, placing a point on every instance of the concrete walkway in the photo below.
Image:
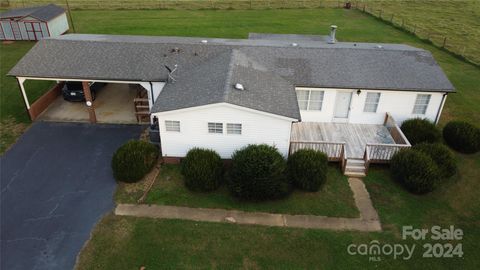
368	220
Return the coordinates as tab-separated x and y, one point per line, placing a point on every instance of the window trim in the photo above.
426	104
370	103
171	122
215	127
309	99
230	133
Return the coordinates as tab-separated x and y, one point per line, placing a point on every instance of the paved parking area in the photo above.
56	183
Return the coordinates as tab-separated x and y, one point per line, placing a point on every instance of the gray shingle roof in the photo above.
263	90
43	13
201	66
290	37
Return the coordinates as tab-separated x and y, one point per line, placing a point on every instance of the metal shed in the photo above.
33	23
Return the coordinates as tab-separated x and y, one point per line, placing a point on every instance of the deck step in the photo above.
355	168
355	161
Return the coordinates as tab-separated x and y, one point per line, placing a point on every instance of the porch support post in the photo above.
20	81
89	102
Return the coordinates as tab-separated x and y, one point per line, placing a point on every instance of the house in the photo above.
33	23
345	99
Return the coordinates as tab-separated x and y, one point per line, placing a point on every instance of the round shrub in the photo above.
441	155
307	169
420	130
258	173
202	170
415	170
133	160
462	136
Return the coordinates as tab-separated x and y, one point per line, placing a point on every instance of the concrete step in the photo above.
355	174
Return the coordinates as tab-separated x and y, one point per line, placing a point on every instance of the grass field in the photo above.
182	4
335	198
459	21
128	243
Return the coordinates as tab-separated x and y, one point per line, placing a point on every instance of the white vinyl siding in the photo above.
371	102
399	104
58	25
234	128
215	128
421	104
310	100
173	126
257	128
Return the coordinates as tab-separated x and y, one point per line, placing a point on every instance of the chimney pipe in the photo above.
332	34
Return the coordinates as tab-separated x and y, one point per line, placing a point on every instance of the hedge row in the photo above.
462	136
459	135
423	167
258	172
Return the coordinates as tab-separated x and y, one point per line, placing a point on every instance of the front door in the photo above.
342	105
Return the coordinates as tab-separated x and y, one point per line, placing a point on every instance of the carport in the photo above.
127	65
120	102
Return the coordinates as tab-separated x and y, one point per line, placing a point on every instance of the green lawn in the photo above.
127	243
335	198
13	114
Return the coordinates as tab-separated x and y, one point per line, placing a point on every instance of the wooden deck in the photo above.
355	136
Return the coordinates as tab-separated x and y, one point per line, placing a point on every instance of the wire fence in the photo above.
179	4
442	41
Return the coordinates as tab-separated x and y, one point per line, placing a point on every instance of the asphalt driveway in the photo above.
56	183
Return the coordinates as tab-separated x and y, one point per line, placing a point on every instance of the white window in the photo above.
310	100
215	128
172	125
421	104
371	102
234	128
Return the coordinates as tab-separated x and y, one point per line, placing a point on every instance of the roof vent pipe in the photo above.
332	34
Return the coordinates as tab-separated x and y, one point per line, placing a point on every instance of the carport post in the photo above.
20	81
89	102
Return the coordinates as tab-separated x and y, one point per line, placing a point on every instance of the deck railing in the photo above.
335	151
394	130
383	153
